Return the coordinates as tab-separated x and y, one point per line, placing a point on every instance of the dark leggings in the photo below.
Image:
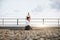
28	27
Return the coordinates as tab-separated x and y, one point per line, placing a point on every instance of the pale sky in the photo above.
36	8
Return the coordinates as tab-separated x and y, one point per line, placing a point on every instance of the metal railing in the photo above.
21	21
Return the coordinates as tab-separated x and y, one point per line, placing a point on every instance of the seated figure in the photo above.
28	27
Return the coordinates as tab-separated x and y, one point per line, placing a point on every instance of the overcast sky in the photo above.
36	8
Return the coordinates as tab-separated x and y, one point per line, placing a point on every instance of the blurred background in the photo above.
42	12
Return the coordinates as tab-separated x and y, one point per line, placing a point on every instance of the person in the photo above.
28	18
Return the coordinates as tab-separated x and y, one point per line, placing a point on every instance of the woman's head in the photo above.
28	18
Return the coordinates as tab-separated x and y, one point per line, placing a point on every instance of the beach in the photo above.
49	33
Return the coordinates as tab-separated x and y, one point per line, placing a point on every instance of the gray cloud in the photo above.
55	4
16	10
0	2
38	9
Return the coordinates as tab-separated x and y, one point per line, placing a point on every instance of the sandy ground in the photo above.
35	34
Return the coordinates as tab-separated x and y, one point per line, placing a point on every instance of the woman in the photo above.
28	27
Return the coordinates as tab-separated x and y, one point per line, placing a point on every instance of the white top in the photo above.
27	22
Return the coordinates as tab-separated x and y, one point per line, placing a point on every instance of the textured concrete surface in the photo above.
37	34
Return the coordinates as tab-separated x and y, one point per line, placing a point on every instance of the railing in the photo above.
21	21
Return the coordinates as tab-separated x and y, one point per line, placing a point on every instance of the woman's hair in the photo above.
27	18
